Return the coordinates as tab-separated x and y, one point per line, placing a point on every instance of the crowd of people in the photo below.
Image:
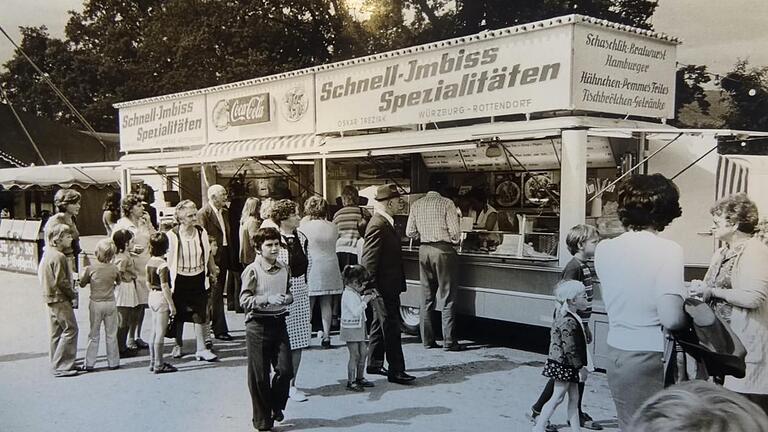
286	265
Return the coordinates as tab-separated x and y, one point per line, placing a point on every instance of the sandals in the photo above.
165	368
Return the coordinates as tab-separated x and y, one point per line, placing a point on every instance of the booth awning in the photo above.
170	158
69	175
259	147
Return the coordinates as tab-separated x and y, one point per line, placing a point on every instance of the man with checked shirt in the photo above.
435	221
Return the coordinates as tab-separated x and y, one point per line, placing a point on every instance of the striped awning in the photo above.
259	147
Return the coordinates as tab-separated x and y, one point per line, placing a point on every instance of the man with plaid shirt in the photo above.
435	221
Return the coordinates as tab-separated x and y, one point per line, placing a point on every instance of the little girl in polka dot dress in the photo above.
567	353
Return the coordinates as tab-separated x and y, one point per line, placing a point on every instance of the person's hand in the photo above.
275	299
583	374
700	290
588	334
367	298
172	309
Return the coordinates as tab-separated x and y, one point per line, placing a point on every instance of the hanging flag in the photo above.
732	177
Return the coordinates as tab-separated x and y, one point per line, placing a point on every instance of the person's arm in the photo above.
164	275
85	276
452	219
670	289
371	252
248	298
490	221
410	227
750	280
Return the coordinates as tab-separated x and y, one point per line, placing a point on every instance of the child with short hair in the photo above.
353	304
58	292
160	301
103	276
581	241
567	353
126	297
265	298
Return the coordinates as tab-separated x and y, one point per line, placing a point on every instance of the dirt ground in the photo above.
487	387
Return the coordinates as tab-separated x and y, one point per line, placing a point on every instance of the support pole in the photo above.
573	186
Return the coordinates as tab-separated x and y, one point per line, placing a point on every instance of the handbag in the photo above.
170	329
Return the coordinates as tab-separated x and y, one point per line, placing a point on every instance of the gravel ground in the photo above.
487	387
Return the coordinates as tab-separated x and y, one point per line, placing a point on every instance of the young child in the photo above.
160	301
581	241
353	304
103	276
265	298
126	297
58	291
567	353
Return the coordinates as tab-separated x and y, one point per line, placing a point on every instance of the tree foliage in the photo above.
689	90
748	91
118	50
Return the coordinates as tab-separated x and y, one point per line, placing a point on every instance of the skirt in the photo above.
348	334
297	321
560	372
125	294
190	298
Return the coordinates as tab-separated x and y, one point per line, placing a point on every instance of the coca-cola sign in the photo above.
241	111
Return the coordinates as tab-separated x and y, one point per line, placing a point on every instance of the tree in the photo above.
748	91
688	90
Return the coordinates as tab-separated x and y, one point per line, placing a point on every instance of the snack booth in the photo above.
538	121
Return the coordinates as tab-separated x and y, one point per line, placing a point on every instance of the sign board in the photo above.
18	256
623	73
576	66
278	108
535	155
163	125
522	73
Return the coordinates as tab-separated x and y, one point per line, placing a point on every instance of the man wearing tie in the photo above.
214	218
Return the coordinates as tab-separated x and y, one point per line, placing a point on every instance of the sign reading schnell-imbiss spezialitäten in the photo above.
575	66
166	124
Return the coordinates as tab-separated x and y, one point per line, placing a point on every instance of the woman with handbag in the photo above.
736	287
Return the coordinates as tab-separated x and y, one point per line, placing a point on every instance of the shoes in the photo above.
278	416
176	353
549	427
376	370
433	345
355	386
224	336
114	367
87	368
587	422
454	347
365	383
132	345
326	343
165	368
140	344
151	367
205	355
297	395
401	378
128	353
66	373
209	345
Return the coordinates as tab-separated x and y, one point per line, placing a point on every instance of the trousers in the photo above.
62	326
438	265
268	348
98	313
633	377
384	340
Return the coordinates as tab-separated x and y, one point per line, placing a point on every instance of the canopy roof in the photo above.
64	175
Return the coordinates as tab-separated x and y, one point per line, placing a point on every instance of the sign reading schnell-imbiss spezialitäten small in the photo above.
573	66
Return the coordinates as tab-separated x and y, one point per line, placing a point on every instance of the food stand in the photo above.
542	116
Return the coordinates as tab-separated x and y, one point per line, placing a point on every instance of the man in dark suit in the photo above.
214	218
382	258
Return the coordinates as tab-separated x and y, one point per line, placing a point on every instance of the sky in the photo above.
715	33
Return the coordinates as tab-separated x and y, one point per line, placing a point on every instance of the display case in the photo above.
536	240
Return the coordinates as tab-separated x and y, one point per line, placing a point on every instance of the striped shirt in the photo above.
191	260
347	220
433	219
581	271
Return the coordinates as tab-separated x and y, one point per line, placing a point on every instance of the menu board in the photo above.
534	155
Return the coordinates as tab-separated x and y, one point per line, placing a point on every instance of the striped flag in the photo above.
732	177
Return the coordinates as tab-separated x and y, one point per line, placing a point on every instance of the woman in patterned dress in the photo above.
284	217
